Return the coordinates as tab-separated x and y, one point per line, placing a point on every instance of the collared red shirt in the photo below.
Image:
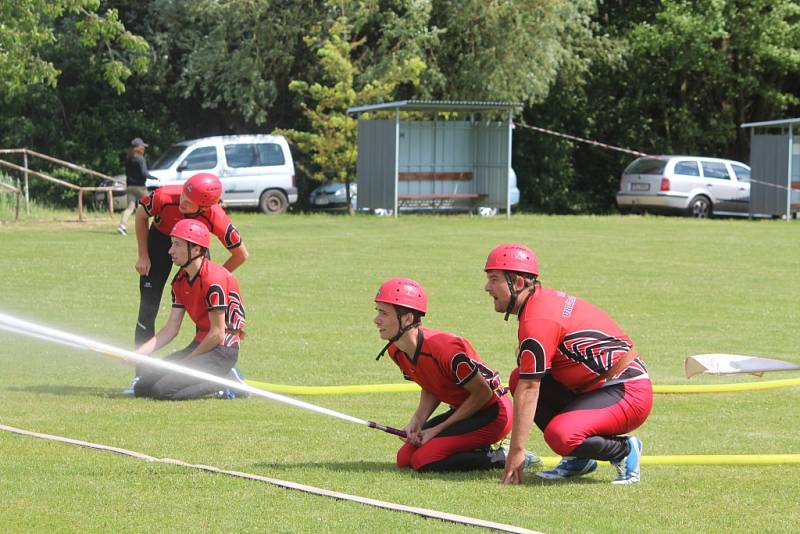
162	205
442	364
571	339
213	288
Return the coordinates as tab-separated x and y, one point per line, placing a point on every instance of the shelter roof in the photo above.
770	123
437	105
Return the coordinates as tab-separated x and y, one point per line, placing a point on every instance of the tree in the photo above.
233	58
509	50
680	78
354	70
28	27
702	68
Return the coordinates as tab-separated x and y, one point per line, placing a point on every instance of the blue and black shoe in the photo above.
569	467
131	390
236	375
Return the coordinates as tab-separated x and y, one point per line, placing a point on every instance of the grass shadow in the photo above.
383	467
355	467
91	391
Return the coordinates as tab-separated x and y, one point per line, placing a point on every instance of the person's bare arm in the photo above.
238	256
142	232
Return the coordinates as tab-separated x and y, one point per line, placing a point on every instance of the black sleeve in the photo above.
143	169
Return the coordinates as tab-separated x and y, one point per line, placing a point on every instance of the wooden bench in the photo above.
439	200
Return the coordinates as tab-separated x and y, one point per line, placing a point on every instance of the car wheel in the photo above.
273	202
700	207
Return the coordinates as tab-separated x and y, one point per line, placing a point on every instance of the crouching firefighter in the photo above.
210	294
449	371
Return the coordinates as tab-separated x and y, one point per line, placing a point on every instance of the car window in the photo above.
200	159
270	154
166	159
646	166
241	155
712	169
687	168
742	173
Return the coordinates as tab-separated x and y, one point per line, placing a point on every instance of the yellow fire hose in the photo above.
551	461
409	387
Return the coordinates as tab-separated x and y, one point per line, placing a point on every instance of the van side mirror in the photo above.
182	167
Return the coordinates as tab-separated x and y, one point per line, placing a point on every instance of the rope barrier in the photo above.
423	512
620	149
581	139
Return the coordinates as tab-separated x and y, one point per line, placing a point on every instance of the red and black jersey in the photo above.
571	339
213	288
441	365
162	205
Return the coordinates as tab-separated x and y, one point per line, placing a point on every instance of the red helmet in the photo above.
403	292
192	231
204	189
513	257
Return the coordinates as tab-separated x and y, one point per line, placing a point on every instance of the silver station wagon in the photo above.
694	186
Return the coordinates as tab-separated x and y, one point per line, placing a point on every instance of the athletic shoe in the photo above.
532	462
236	375
130	389
499	452
226	393
122	230
569	467
628	467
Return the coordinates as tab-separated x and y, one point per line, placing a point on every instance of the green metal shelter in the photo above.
775	167
434	154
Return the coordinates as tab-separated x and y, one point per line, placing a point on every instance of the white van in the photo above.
255	170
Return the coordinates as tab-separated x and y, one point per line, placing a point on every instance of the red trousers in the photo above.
482	429
587	425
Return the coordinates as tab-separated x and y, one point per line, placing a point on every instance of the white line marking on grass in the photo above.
424	512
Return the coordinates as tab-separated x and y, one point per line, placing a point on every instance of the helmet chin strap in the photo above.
189	254
514	294
402	330
512	302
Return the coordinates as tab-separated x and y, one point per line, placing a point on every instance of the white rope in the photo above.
424	512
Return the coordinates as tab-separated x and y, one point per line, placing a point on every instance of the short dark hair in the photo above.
402	310
531	280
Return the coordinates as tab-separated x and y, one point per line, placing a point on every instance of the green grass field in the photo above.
677	286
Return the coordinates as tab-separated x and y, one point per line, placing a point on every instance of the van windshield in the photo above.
646	166
166	159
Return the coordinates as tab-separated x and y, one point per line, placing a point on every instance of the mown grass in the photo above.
678	286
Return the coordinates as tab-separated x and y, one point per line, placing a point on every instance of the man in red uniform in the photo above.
210	295
578	376
448	370
198	199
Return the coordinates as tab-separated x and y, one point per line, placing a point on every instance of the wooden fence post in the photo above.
80	204
19	193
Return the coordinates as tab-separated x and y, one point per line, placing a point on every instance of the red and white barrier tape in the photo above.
582	140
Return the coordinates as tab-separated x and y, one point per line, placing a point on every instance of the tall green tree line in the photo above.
82	77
